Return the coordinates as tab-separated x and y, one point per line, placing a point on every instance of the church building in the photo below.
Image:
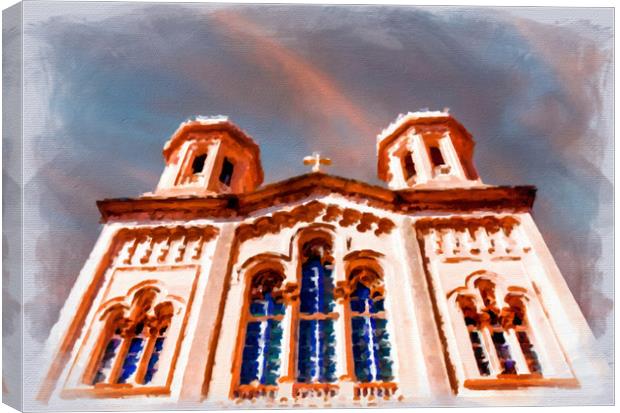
217	291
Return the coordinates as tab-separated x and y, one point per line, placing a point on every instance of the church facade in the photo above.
216	291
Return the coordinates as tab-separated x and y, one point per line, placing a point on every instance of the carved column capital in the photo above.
290	292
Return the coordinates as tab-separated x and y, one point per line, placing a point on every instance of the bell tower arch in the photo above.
210	156
426	149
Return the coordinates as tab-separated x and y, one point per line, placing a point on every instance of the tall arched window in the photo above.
263	332
316	335
133	340
490	318
486	319
369	335
471	317
515	316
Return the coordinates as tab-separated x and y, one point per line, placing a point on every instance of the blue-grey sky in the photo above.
106	84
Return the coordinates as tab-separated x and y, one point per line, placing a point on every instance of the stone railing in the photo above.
372	391
323	391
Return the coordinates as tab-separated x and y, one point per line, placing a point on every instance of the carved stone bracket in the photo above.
491	223
370	279
290	292
130	238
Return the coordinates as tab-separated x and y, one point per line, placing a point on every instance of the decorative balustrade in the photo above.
149	246
459	238
372	391
252	392
312	392
323	391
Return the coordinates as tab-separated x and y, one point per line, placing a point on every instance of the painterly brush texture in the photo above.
107	83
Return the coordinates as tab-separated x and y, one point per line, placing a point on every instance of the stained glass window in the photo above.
136	343
316	337
109	355
471	317
369	335
498	326
492	317
158	346
263	334
133	354
519	323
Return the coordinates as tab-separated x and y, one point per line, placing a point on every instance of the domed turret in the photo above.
426	149
210	156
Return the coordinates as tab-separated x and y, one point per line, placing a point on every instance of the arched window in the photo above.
471	317
198	163
490	318
486	319
408	165
316	335
369	335
263	332
515	317
133	340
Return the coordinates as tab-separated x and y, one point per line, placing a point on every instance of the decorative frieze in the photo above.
152	246
310	212
469	238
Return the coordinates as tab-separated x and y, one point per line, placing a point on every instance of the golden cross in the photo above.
316	161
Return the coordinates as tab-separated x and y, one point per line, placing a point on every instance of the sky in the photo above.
106	84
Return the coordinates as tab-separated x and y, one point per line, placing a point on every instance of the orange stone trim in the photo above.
517	382
509	198
115	391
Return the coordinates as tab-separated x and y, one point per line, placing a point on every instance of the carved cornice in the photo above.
310	212
471	224
491	198
131	238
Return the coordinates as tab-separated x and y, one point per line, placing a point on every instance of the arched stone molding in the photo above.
490	316
131	345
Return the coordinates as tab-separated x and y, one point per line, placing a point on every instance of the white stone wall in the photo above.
562	337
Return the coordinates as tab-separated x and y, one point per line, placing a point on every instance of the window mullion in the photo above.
515	352
345	366
144	359
120	358
489	347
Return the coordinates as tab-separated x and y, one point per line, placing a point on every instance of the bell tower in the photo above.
426	150
210	156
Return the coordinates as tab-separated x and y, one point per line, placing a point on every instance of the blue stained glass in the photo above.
317	288
152	367
503	353
266	306
371	349
130	364
106	361
361	301
316	352
261	353
316	345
